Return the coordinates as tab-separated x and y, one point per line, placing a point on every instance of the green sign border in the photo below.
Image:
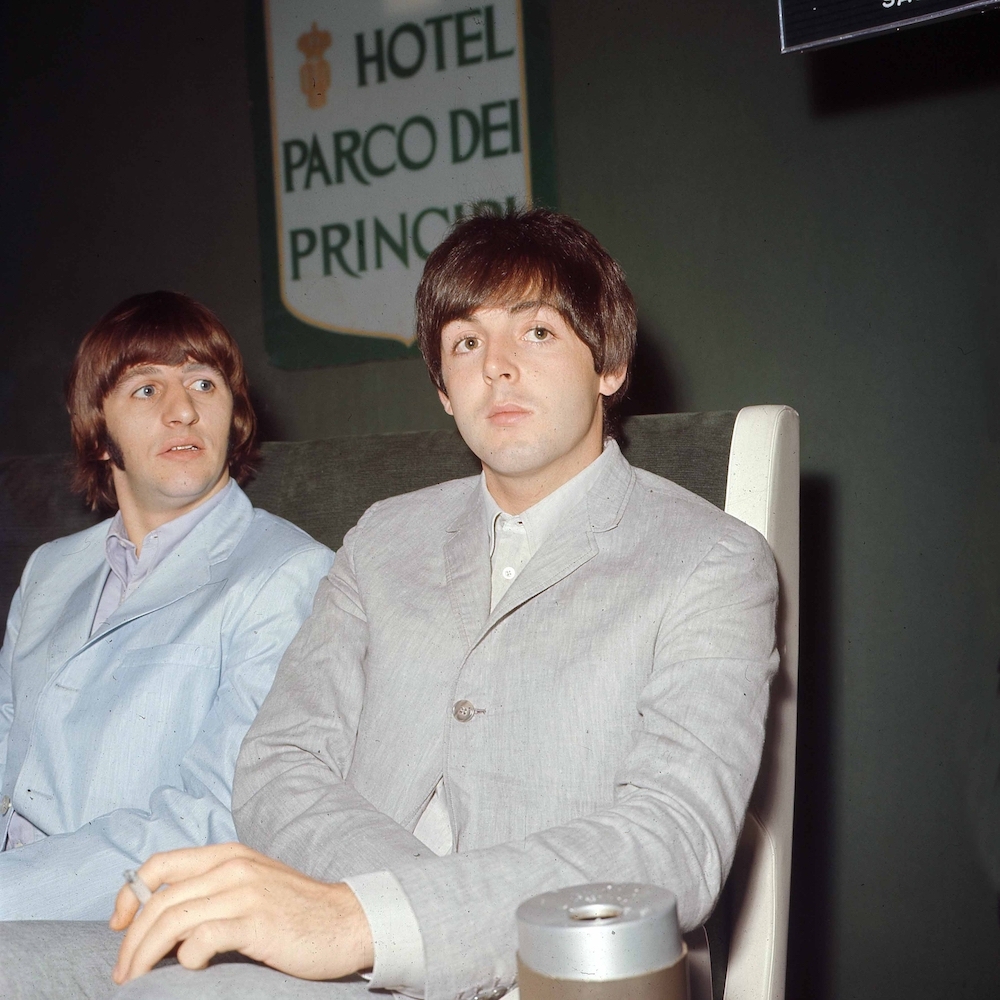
293	344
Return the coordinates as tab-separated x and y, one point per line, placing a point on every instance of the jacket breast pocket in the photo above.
157	695
162	693
180	653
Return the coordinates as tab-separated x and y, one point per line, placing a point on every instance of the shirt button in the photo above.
509	573
463	710
5	805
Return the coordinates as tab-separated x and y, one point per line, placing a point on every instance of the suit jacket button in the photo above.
5	805
463	710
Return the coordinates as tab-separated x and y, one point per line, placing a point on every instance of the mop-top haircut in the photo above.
160	328
493	259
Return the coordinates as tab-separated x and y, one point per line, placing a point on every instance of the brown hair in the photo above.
496	259
164	328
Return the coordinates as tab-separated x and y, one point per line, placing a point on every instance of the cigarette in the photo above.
139	887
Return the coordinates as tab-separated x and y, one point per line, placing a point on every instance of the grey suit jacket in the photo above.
620	686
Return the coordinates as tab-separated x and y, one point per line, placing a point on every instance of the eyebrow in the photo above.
149	370
528	305
525	305
141	371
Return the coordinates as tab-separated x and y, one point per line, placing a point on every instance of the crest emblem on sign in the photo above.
314	74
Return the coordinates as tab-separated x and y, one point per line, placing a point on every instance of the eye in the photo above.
144	392
203	385
466	344
537	334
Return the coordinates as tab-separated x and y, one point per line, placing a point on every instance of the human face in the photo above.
523	391
171	424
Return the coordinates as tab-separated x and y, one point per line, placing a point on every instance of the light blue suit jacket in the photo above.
124	743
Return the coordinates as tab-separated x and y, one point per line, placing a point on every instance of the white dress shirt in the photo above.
513	540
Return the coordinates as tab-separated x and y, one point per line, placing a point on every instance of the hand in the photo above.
227	897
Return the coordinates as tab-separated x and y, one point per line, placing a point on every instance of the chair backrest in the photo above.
325	486
763	491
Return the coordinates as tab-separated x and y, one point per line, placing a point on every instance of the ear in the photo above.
445	402
612	381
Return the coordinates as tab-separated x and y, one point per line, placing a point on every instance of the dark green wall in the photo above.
817	230
126	164
803	230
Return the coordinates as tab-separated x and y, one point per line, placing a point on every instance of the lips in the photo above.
507	413
187	446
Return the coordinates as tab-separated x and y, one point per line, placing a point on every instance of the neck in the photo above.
515	494
140	519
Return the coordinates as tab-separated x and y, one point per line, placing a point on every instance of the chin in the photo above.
513	461
189	490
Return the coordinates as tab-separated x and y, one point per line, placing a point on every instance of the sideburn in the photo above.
115	455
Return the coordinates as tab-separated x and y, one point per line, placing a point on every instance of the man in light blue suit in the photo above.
138	652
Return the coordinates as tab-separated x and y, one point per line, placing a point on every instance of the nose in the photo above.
500	360
179	407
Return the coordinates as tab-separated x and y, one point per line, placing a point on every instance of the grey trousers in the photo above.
72	960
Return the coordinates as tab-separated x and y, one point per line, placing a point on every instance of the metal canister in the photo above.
601	942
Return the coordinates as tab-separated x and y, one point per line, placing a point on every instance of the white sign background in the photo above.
378	302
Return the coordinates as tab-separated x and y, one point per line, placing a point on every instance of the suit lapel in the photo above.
72	629
570	545
573	542
191	565
182	573
467	567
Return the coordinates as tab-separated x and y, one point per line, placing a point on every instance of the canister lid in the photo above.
599	932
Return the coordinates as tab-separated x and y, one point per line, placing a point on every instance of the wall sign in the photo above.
378	123
807	24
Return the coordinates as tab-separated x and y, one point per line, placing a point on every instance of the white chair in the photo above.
763	490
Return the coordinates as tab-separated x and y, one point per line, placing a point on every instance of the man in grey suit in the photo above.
553	673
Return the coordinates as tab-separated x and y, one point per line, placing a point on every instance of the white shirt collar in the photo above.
156	546
539	520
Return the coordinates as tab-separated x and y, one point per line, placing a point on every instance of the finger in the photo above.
170	867
126	906
173	926
214	938
142	920
174	912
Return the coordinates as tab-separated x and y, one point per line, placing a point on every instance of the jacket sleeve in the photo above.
77	875
296	756
6	688
7	672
